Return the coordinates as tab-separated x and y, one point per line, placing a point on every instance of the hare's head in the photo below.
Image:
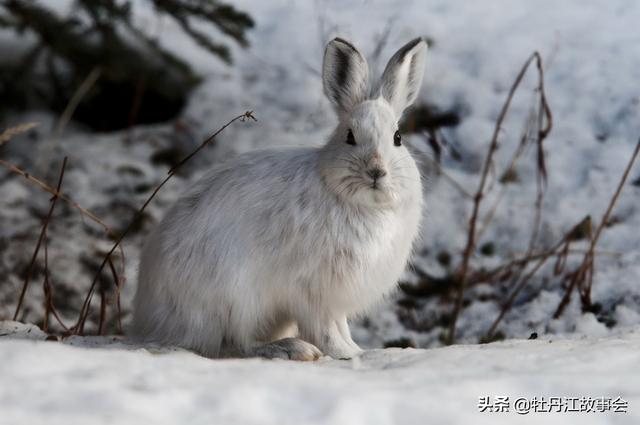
365	162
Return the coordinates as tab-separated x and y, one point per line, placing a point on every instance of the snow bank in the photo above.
99	381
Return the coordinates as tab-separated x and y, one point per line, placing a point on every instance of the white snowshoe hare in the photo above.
272	251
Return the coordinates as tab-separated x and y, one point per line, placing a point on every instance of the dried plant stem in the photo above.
78	328
67	114
491	213
526	259
522	283
471	238
103	310
449	178
60	195
7	134
15	169
561	249
584	274
43	232
48	293
542	120
117	289
46	287
75	100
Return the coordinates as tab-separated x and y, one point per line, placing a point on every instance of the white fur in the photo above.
281	243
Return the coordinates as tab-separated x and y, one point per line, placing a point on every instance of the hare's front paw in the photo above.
342	351
334	339
288	349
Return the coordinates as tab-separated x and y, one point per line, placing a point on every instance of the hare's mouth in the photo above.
378	186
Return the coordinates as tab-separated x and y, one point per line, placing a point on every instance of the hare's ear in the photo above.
401	79
345	75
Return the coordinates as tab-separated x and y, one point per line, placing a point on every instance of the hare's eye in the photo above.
350	139
397	139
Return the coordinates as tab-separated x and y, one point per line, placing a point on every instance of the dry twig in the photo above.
488	164
560	249
6	135
43	232
60	195
47	288
583	276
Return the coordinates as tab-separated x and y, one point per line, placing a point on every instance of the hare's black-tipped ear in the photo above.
401	79
345	75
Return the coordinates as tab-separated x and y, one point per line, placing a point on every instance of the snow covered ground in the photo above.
99	381
591	52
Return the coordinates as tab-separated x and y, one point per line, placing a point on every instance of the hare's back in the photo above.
244	198
259	176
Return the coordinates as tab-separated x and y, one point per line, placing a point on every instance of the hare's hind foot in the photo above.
288	349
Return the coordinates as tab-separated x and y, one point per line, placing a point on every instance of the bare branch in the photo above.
584	274
6	135
40	239
493	146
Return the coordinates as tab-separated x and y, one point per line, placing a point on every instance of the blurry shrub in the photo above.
139	80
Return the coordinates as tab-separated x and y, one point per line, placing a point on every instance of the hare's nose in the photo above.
376	173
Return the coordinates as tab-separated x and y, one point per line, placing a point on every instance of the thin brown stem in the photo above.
521	283
68	112
471	237
521	262
48	292
583	278
117	288
60	195
449	178
46	287
7	134
43	232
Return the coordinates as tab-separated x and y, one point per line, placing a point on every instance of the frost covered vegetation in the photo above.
532	198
